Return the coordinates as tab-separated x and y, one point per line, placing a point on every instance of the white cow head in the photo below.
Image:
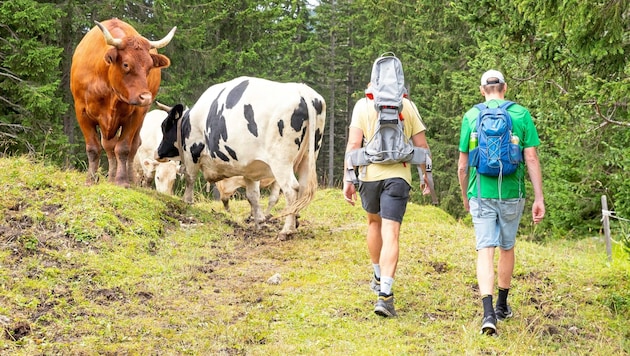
164	173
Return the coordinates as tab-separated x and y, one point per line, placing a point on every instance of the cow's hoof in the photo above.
123	184
285	235
91	179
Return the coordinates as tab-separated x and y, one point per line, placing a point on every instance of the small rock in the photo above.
275	279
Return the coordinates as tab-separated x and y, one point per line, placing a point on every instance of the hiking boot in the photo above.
489	325
375	285
385	306
503	312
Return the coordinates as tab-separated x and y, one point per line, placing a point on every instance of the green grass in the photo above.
105	270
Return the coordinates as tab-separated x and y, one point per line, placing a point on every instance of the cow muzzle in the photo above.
144	99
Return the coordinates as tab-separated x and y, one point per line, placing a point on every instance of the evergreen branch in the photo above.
13	105
562	90
7	73
607	119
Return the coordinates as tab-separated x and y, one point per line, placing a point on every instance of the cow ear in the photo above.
150	163
160	61
110	56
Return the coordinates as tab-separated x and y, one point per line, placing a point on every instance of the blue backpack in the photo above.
496	155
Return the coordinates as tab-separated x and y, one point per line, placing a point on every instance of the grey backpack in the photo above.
389	145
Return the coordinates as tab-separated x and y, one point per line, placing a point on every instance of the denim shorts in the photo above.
388	198
496	221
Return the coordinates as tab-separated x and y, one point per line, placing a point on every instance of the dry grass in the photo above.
105	270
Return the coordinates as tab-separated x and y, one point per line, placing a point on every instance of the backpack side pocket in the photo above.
473	157
516	153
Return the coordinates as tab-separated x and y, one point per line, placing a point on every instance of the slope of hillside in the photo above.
106	270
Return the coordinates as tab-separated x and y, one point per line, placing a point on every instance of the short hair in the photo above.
494	88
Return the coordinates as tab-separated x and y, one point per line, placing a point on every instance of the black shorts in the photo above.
388	198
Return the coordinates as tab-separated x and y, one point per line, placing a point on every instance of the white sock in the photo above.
386	285
377	270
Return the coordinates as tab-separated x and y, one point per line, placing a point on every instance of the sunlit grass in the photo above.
98	270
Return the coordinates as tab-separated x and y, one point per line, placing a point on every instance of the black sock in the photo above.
502	299
488	309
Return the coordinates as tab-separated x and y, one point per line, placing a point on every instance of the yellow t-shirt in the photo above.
364	118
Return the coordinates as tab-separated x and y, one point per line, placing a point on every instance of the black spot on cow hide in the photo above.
318	105
231	152
195	150
301	137
299	116
281	127
248	112
235	95
215	126
318	139
221	156
186	128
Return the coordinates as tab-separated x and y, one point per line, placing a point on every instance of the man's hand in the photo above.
466	203
349	192
538	211
425	185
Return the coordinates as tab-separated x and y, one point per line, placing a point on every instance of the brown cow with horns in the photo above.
114	78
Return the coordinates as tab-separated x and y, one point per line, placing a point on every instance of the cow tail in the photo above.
307	193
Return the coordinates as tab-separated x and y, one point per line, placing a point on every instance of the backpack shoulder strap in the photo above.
481	107
506	104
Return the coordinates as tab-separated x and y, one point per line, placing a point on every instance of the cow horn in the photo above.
163	107
116	42
164	41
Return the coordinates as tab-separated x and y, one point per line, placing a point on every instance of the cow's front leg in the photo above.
252	192
132	176
190	171
92	149
122	159
109	145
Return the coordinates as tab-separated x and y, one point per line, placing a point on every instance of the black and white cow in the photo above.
254	128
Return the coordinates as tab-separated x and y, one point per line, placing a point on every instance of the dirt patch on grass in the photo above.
245	264
17	331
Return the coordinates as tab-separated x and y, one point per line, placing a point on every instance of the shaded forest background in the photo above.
566	60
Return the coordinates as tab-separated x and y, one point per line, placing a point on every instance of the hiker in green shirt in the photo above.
496	203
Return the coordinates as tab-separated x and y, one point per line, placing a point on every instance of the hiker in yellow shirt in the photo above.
384	190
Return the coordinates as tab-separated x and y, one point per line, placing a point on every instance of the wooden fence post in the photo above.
605	214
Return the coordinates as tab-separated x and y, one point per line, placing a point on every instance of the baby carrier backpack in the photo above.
389	145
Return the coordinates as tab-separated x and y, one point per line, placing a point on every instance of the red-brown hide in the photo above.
114	78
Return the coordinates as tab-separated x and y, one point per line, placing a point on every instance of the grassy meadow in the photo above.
104	270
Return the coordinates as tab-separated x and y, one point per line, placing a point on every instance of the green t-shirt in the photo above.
513	185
